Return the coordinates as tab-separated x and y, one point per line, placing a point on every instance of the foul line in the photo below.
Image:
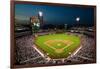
77	50
39	51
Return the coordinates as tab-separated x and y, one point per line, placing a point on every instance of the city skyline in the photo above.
56	14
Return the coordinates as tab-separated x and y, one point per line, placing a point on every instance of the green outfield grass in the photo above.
57	45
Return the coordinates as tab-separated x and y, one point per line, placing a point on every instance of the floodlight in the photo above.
78	19
40	13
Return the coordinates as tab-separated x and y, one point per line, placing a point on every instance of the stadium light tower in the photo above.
77	20
40	13
40	16
65	27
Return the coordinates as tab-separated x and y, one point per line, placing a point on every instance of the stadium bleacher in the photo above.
26	54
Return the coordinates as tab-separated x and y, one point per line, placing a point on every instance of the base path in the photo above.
67	42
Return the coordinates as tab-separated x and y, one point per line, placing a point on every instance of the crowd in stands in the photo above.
24	50
87	52
26	54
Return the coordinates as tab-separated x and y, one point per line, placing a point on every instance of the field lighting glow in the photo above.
40	13
77	19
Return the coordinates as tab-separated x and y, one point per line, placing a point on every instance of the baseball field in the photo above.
57	46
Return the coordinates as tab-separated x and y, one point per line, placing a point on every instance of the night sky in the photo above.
55	14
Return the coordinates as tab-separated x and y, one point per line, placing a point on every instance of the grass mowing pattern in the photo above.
52	46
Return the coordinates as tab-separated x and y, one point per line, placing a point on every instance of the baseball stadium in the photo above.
52	36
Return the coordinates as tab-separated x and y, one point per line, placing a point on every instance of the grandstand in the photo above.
27	54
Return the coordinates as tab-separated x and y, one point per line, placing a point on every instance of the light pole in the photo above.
40	13
77	19
40	17
65	27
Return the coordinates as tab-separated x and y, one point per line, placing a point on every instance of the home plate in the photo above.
69	52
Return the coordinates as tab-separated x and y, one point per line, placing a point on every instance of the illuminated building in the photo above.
35	24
